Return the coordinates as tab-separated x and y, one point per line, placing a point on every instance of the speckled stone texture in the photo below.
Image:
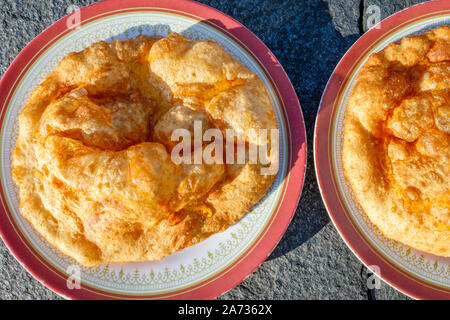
308	38
386	8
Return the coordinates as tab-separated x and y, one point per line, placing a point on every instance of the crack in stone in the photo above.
361	17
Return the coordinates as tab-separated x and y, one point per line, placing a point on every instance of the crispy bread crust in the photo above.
92	161
396	149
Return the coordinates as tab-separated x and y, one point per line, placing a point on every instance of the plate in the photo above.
209	268
415	273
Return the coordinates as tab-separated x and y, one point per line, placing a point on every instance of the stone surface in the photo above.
308	38
384	8
345	16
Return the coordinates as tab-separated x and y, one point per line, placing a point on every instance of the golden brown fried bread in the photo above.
93	157
396	150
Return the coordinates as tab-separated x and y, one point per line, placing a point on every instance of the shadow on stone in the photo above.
313	49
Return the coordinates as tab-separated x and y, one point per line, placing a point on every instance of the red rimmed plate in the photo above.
415	273
205	270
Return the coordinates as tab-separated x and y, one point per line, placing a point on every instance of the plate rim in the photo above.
366	253
296	167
